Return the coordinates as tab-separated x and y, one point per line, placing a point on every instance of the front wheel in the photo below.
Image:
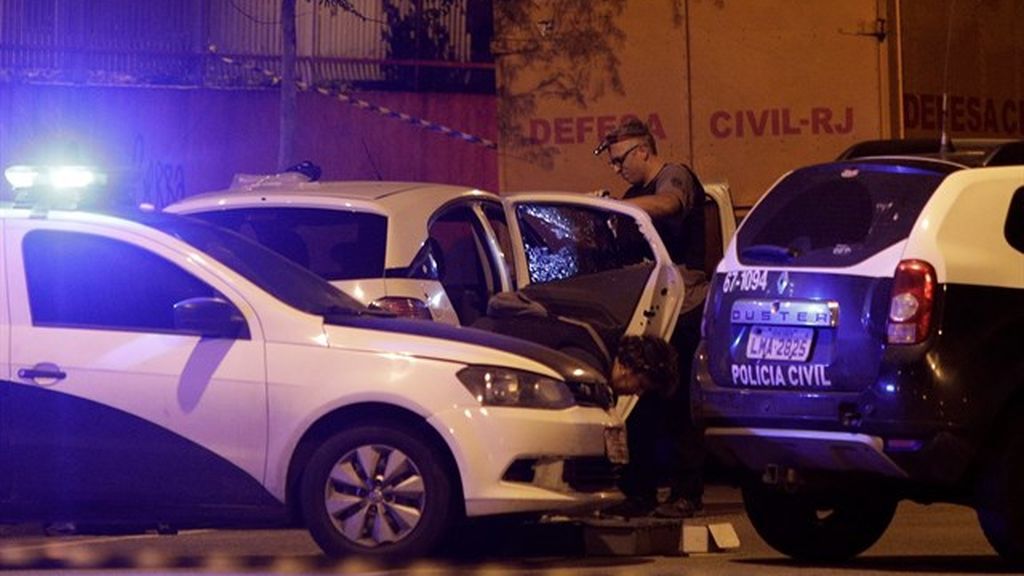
817	527
376	490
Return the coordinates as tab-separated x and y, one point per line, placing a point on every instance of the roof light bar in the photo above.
21	176
59	177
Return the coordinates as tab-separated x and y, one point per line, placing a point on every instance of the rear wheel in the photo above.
817	527
376	490
1000	504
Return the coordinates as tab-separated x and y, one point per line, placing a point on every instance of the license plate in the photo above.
780	343
615	446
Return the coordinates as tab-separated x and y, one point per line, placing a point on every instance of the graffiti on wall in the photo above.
160	182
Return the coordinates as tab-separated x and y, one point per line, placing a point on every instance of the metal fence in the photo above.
418	45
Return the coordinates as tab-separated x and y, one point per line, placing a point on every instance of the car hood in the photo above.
456	343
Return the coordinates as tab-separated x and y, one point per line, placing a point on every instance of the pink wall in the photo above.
169	143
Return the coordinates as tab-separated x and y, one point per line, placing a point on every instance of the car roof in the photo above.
113	217
409	203
380	192
965	152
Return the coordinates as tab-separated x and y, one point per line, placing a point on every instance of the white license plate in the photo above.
615	446
780	343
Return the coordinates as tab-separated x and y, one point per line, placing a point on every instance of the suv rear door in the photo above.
802	297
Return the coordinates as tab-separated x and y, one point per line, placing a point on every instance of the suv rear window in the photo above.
334	244
835	215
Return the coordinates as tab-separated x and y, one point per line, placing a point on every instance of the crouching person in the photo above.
647	366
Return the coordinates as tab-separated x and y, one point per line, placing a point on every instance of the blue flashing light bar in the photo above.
58	177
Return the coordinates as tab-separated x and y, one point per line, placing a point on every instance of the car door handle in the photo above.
43	371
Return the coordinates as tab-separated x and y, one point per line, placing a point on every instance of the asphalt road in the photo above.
937	539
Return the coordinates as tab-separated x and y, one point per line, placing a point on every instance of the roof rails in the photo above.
973	153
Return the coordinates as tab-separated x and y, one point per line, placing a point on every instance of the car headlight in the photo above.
494	386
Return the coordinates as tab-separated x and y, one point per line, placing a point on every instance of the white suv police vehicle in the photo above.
862	345
157	370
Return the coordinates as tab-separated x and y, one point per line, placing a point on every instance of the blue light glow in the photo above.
57	177
21	176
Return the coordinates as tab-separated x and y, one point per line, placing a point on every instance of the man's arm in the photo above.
673	193
658	205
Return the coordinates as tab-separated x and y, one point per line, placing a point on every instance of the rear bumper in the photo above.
901	436
761	448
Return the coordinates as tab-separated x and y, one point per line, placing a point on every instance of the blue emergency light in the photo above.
56	177
44	187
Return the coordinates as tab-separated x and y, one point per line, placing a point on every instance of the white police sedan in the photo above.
162	371
441	252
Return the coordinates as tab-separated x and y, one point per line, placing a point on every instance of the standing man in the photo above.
674	198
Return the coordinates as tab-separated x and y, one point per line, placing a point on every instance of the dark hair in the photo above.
628	129
652	359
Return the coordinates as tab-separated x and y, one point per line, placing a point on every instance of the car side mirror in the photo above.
210	317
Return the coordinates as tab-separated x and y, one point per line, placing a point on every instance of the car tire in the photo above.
376	490
1000	499
817	528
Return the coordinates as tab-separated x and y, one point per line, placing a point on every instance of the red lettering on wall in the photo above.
1009	120
720	127
787	125
966	114
606	124
847	126
779	122
540	131
929	112
990	117
757	123
956	114
563	130
820	118
584	129
654	123
973	114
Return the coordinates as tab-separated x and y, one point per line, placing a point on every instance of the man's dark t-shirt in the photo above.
683	231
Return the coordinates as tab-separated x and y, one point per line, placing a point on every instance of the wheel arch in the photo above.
1001	371
368	413
998	410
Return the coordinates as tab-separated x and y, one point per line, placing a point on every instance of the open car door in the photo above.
597	261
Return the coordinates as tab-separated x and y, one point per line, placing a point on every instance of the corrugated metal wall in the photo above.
103	78
165	42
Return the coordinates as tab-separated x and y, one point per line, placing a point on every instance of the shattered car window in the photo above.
566	241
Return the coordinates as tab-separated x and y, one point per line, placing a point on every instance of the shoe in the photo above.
630	508
679	508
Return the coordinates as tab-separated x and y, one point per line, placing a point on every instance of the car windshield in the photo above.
838	214
285	280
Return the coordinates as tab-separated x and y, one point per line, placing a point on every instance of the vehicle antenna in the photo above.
944	144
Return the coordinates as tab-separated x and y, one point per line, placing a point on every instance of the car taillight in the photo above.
404	307
910	309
